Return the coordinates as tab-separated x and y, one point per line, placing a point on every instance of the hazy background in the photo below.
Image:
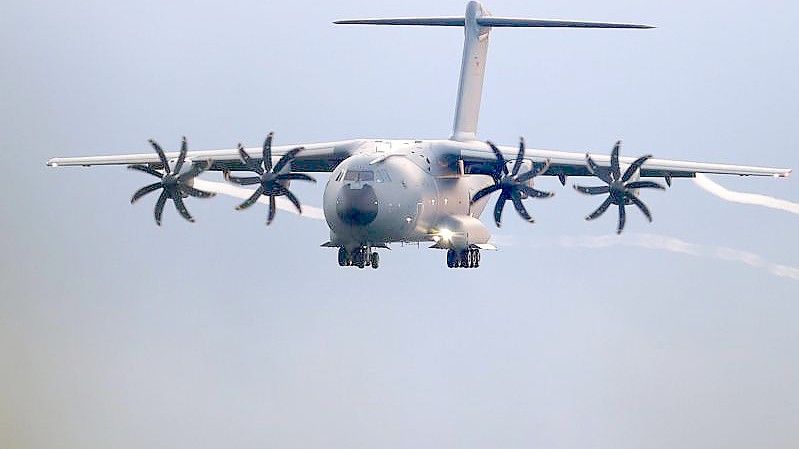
226	333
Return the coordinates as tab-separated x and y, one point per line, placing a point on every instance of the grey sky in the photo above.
117	333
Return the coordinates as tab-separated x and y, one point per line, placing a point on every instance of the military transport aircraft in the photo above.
382	190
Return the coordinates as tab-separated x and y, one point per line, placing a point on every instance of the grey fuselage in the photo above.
404	191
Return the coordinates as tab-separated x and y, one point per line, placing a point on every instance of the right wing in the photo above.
317	157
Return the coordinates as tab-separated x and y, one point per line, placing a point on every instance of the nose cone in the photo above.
357	207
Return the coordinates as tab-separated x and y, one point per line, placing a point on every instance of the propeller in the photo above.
173	184
620	190
271	179
512	185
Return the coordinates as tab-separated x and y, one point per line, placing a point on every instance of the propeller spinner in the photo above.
173	184
620	190
512	185
272	180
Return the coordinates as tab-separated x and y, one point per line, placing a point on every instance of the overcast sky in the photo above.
226	333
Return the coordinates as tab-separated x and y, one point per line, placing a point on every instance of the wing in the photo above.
317	157
574	164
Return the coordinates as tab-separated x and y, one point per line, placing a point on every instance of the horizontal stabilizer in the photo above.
424	21
489	21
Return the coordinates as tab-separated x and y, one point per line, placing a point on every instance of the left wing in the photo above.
574	164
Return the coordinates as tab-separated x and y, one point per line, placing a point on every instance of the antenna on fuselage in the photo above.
477	24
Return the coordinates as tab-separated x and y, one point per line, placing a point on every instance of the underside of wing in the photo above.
620	177
318	157
272	170
564	163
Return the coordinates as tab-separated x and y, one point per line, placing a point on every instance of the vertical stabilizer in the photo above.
473	67
477	24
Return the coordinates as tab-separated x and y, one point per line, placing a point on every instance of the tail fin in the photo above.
477	24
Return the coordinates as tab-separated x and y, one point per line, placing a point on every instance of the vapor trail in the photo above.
745	198
242	193
675	245
659	243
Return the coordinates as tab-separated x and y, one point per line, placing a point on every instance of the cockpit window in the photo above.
359	175
382	176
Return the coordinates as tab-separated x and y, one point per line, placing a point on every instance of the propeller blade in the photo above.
272	210
197	193
248	181
503	197
592	190
144	191
267	153
519	158
622	218
641	206
146	169
634	167
247	160
517	203
159	207
503	165
644	185
600	210
535	193
596	170
535	171
251	200
295	176
177	198
292	198
184	148
161	155
484	192
195	170
286	159
614	161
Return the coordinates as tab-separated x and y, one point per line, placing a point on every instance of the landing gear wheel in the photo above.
374	260
343	257
464	256
452	258
360	258
476	257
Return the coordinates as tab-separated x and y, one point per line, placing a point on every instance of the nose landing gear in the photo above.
468	258
360	257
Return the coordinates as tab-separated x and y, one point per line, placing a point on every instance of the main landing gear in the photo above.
360	257
467	258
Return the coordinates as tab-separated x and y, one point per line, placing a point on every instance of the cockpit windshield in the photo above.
359	175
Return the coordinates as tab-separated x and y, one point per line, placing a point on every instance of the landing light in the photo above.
446	235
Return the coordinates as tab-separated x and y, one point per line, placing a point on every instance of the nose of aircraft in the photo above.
357	206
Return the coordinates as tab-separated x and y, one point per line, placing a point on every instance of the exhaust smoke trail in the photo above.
745	198
242	193
675	245
658	243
